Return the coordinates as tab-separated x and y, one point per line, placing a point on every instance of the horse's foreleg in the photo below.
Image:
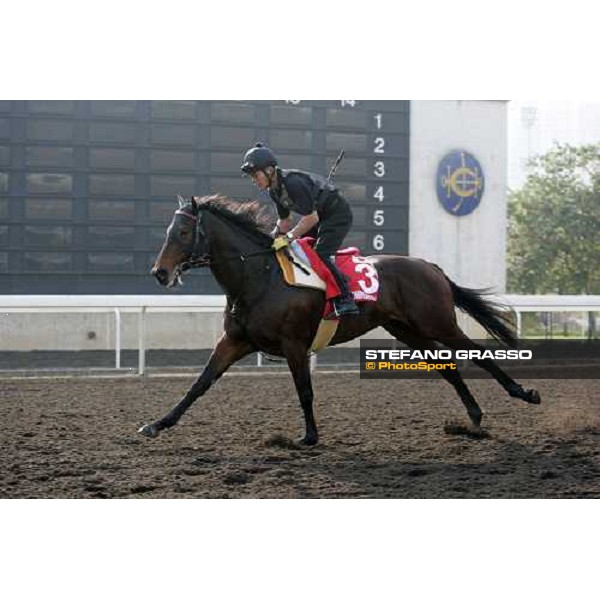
226	352
299	365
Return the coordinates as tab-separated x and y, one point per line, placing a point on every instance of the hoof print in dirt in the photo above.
142	489
470	431
237	479
280	441
417	472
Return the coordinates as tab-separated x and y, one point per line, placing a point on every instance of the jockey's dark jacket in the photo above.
302	192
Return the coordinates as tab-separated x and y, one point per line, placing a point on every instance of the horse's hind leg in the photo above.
452	376
226	352
514	389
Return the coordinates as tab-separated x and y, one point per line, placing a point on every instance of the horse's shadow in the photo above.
559	470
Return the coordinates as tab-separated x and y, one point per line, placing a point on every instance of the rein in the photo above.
196	261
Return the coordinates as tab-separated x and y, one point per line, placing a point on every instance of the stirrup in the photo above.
343	306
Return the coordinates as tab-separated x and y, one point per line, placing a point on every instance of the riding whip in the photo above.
338	160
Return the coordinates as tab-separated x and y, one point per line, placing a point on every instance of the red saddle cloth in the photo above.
363	279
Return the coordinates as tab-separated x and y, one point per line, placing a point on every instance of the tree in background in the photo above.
553	240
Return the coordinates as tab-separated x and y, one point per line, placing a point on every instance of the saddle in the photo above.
301	267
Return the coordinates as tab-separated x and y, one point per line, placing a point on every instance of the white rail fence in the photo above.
553	304
142	305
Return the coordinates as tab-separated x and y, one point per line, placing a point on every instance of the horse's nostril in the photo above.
161	275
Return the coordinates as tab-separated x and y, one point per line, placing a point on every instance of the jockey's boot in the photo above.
343	304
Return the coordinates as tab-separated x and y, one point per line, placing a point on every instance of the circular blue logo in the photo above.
460	183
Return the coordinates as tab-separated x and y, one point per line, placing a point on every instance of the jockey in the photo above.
325	213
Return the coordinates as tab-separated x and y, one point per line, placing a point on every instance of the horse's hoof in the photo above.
476	420
532	396
309	440
149	431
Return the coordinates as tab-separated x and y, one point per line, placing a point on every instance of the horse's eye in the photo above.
185	232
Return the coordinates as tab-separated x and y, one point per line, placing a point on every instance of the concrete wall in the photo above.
96	331
470	248
81	331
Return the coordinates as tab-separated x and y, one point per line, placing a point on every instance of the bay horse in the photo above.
416	305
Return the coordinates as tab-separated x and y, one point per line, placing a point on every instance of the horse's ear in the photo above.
195	205
181	200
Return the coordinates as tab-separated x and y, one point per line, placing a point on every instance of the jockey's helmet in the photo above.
258	158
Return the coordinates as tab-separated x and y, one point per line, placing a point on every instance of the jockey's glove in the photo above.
279	243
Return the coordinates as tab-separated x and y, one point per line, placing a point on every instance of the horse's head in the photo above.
184	246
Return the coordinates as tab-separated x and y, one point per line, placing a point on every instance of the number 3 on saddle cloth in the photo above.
302	267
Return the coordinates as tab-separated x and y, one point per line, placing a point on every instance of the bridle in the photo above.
196	260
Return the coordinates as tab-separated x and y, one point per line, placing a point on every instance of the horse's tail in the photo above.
487	313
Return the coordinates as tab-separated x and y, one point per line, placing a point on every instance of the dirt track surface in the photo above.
77	438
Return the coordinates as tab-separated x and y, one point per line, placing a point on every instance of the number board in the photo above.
309	135
87	188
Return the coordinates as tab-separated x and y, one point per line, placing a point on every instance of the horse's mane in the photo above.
250	216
